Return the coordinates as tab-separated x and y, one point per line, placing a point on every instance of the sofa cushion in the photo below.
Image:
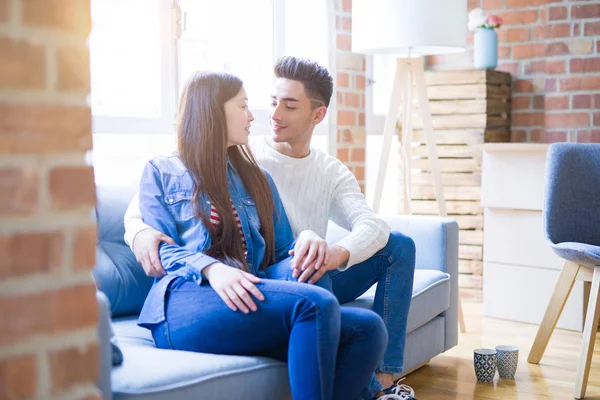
112	202
430	297
117	273
148	372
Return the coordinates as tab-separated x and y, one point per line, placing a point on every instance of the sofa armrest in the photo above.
436	242
105	356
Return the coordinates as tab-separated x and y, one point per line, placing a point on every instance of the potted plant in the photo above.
486	39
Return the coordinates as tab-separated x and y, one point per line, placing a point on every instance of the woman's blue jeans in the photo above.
331	352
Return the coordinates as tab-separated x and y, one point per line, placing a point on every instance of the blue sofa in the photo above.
151	373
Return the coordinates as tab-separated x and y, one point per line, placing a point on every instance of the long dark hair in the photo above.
202	144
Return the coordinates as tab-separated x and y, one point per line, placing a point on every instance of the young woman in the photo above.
228	288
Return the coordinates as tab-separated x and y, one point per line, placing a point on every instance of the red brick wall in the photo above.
551	49
350	95
48	344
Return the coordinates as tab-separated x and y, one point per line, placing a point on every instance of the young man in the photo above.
315	188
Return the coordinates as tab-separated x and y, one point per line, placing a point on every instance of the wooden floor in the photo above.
451	375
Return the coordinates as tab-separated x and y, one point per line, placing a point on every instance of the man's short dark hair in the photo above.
318	83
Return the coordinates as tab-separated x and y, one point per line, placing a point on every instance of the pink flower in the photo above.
494	21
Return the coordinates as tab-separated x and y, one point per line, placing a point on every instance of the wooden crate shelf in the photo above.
468	108
466	136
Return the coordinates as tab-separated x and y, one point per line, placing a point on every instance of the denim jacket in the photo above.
166	191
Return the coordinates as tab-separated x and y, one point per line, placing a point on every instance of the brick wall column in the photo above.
48	341
350	95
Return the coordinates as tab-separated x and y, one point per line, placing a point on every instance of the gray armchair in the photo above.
572	223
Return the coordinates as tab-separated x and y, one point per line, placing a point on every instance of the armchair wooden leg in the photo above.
586	295
461	316
557	303
589	337
587	286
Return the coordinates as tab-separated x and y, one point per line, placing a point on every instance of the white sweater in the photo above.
314	190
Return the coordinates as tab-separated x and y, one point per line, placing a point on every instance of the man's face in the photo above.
293	115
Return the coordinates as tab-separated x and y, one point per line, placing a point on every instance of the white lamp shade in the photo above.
426	27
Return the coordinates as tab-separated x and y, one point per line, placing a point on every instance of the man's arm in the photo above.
349	209
144	240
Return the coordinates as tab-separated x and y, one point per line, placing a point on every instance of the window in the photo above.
247	43
131	66
138	68
240	42
306	25
306	28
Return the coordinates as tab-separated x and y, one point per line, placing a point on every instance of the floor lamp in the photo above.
409	29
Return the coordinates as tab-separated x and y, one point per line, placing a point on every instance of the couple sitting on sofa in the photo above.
235	276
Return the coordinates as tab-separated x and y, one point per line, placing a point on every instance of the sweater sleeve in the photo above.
133	221
349	209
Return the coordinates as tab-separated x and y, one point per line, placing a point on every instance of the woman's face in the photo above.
238	118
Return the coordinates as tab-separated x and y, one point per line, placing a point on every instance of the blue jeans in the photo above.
331	353
393	269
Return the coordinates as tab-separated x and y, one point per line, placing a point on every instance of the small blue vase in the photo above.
485	48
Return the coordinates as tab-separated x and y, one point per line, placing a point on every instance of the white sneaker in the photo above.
398	391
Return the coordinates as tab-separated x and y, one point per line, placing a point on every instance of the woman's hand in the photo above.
234	286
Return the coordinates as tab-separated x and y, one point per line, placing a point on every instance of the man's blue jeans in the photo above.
393	269
331	352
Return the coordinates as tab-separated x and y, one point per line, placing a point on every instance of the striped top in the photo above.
215	220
